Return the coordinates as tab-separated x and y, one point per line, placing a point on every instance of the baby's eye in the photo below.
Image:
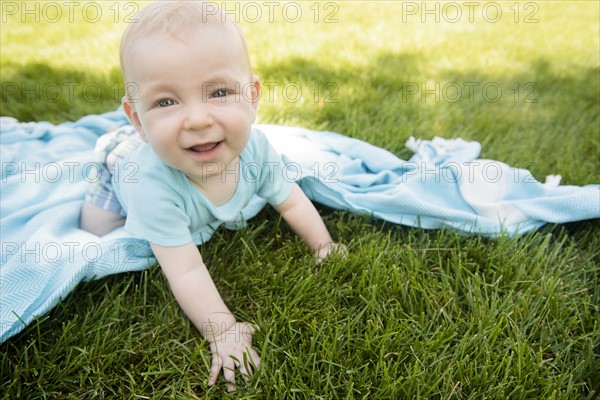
219	93
165	102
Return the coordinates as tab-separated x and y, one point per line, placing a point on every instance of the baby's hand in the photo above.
231	350
330	248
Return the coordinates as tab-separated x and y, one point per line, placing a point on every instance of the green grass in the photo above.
411	313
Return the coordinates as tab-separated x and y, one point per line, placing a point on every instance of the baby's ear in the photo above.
133	116
255	92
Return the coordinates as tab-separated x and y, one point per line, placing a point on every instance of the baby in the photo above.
192	97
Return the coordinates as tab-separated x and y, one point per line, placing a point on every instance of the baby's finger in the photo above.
255	359
215	368
244	368
229	374
343	251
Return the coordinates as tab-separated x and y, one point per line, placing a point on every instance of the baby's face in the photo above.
193	99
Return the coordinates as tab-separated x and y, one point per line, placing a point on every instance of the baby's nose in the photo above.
197	116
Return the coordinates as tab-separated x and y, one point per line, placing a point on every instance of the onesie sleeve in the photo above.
158	218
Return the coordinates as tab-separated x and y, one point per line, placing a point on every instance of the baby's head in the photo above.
190	91
175	18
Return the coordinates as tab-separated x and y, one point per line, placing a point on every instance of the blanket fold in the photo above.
46	169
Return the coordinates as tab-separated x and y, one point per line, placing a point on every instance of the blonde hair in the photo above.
174	17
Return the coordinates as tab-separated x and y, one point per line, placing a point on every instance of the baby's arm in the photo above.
197	295
300	213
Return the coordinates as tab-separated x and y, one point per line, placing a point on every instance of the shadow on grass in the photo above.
390	98
543	118
540	118
396	79
39	92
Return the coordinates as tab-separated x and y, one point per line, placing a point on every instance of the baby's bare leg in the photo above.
99	221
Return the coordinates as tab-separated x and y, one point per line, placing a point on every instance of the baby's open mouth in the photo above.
206	151
204	147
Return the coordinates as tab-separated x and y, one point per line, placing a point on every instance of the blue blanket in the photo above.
46	168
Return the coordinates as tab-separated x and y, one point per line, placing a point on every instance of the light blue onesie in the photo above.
165	208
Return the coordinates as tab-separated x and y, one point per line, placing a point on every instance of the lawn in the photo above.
411	314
